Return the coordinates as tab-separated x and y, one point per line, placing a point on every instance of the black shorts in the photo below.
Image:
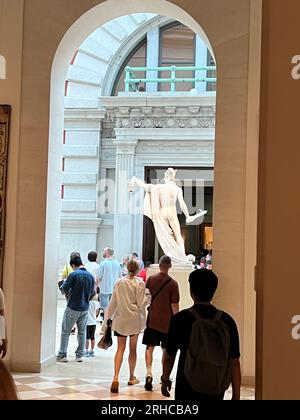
119	335
90	332
154	338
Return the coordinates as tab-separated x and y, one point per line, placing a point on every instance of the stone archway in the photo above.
33	292
74	37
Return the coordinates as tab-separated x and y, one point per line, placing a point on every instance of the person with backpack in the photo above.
208	341
164	303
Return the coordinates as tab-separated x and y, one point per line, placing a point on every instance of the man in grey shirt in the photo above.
109	273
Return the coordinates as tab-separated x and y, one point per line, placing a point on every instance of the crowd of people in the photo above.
135	303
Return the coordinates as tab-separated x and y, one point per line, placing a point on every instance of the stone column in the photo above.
200	61
152	57
124	200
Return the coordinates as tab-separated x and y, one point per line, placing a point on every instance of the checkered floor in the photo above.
91	379
59	388
33	387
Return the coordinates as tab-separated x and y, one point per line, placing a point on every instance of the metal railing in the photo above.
132	82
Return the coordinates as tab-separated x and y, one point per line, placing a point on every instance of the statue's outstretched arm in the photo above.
182	204
190	219
136	182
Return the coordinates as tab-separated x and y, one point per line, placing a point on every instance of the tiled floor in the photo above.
33	387
91	379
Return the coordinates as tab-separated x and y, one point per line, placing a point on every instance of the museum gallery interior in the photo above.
150	128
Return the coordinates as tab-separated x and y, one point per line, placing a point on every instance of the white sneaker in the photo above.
61	359
79	359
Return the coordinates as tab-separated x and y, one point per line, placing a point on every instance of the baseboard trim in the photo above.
248	381
32	367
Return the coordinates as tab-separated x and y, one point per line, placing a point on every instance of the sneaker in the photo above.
133	381
79	359
86	354
91	354
148	383
61	359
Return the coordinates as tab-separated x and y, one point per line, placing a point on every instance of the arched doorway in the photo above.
201	134
231	45
228	239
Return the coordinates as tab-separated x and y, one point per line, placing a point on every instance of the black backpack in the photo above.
208	360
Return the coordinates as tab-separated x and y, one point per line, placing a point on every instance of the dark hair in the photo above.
203	284
147	264
75	254
134	254
76	261
165	260
92	257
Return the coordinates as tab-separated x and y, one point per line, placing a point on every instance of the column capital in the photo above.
125	146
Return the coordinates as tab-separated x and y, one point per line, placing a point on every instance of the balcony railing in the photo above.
132	82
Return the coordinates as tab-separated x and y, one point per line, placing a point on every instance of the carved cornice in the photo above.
157	117
166	122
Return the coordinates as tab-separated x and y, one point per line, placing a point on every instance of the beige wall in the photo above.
278	274
11	31
251	183
226	25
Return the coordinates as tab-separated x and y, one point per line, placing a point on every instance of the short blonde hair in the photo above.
133	267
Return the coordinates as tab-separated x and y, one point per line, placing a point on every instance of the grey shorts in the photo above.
104	300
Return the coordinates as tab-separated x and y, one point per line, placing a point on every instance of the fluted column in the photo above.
124	201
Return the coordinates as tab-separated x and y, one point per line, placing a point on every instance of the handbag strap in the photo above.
160	290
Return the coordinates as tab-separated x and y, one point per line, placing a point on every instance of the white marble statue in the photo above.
160	207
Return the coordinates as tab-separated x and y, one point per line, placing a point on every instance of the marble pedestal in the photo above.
181	275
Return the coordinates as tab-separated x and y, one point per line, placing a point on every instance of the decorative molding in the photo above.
160	122
166	134
124	111
163	112
160	99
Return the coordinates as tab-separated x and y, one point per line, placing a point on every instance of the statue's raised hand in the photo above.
197	217
132	184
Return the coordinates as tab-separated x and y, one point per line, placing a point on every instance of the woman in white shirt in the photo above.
127	309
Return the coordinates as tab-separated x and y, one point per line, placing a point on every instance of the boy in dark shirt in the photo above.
203	285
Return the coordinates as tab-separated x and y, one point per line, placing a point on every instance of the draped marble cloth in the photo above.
163	231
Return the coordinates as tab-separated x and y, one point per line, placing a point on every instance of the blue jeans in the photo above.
69	320
104	300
